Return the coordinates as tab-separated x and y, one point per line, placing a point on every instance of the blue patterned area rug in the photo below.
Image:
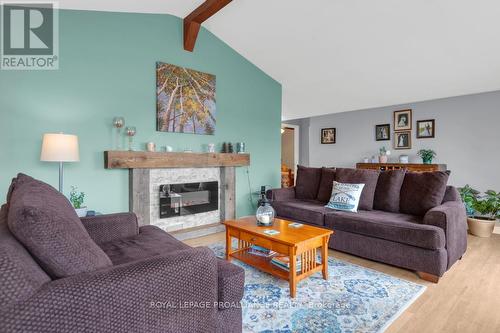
353	299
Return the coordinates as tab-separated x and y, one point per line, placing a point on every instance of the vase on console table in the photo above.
383	155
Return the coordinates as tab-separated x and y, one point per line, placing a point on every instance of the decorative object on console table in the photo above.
426	155
404	159
402	140
185	100
328	135
406	166
383	155
118	123
402	120
60	148
383	132
482	210
76	199
426	129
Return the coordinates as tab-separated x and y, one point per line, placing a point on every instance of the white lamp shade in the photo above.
60	148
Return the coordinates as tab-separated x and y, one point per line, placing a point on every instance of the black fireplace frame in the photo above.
188	198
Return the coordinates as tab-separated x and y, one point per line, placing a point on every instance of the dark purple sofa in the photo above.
145	280
410	220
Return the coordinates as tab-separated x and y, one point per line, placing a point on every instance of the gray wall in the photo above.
467	137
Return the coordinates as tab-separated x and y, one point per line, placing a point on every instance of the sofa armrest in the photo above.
281	194
106	228
231	280
171	293
451	217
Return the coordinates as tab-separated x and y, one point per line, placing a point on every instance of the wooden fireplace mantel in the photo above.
114	159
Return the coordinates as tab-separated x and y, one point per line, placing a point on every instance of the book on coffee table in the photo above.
261	251
283	262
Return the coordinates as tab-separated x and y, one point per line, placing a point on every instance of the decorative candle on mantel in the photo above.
151	147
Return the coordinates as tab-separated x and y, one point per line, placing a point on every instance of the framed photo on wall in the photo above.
402	140
402	120
383	132
328	135
426	128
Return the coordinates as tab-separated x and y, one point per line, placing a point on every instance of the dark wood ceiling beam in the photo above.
193	21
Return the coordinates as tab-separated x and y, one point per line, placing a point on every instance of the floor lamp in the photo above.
60	148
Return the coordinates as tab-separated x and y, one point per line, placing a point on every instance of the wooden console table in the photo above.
415	167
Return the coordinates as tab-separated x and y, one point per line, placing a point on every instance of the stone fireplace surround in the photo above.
144	195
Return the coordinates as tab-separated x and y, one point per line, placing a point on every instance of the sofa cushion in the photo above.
345	196
388	189
307	183
451	194
396	227
326	184
310	211
44	221
422	191
360	176
151	241
20	275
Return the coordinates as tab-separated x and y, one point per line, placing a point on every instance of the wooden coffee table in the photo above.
301	242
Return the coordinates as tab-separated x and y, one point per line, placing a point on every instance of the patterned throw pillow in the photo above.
345	196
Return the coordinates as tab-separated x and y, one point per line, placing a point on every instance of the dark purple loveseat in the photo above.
410	220
145	280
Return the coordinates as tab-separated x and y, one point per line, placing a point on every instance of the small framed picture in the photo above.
383	132
402	120
402	140
426	128
328	135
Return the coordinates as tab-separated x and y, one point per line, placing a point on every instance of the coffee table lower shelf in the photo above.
265	264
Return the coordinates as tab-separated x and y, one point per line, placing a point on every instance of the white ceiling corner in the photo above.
343	55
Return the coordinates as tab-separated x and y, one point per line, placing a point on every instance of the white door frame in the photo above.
296	143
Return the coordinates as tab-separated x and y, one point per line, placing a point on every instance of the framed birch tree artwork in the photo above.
185	100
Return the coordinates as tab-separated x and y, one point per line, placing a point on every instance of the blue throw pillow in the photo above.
345	196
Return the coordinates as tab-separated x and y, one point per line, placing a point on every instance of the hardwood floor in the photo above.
466	299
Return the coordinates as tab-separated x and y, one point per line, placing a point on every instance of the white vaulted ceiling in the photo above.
343	55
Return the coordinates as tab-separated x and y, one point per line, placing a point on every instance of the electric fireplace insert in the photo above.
188	198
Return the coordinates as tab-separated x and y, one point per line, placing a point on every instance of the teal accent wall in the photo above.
107	68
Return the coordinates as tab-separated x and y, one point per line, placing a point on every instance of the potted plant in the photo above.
427	155
383	155
76	199
482	210
468	195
